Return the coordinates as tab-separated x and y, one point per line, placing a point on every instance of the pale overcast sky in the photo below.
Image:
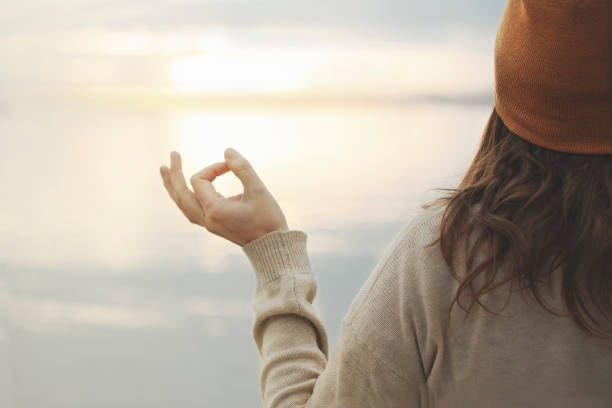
398	18
435	47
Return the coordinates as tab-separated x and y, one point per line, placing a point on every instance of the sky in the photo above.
288	45
352	112
400	18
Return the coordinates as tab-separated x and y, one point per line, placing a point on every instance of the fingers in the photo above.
211	172
237	197
176	172
174	181
202	185
241	167
165	174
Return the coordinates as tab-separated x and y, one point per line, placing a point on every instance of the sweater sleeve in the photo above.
297	370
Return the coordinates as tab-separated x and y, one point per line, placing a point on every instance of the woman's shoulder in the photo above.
411	244
421	229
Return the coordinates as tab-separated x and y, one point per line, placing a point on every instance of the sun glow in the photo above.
215	39
244	71
261	138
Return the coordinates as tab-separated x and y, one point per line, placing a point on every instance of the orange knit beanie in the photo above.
553	73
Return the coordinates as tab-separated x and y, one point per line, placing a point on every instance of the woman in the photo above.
526	238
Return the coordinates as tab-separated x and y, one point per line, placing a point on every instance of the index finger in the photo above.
211	172
203	187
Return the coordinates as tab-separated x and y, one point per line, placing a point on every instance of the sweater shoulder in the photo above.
421	230
415	242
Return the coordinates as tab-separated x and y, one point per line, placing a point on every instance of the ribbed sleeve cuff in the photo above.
278	253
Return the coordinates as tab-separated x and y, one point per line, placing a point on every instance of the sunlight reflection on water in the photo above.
99	199
94	249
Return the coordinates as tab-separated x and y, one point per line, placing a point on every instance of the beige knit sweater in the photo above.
395	349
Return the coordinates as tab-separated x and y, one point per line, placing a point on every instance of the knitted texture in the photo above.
553	73
394	348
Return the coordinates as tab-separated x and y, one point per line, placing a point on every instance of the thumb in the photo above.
241	167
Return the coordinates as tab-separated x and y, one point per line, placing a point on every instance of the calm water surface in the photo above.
109	297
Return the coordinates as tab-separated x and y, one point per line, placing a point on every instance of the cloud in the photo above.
202	306
425	19
42	314
122	308
95	44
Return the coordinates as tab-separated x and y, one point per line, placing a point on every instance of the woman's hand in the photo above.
241	218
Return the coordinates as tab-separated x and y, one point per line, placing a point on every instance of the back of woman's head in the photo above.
537	198
534	210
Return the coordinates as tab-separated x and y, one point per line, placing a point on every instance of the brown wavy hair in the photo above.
536	210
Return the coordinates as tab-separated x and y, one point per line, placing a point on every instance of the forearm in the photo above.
289	335
292	361
297	371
